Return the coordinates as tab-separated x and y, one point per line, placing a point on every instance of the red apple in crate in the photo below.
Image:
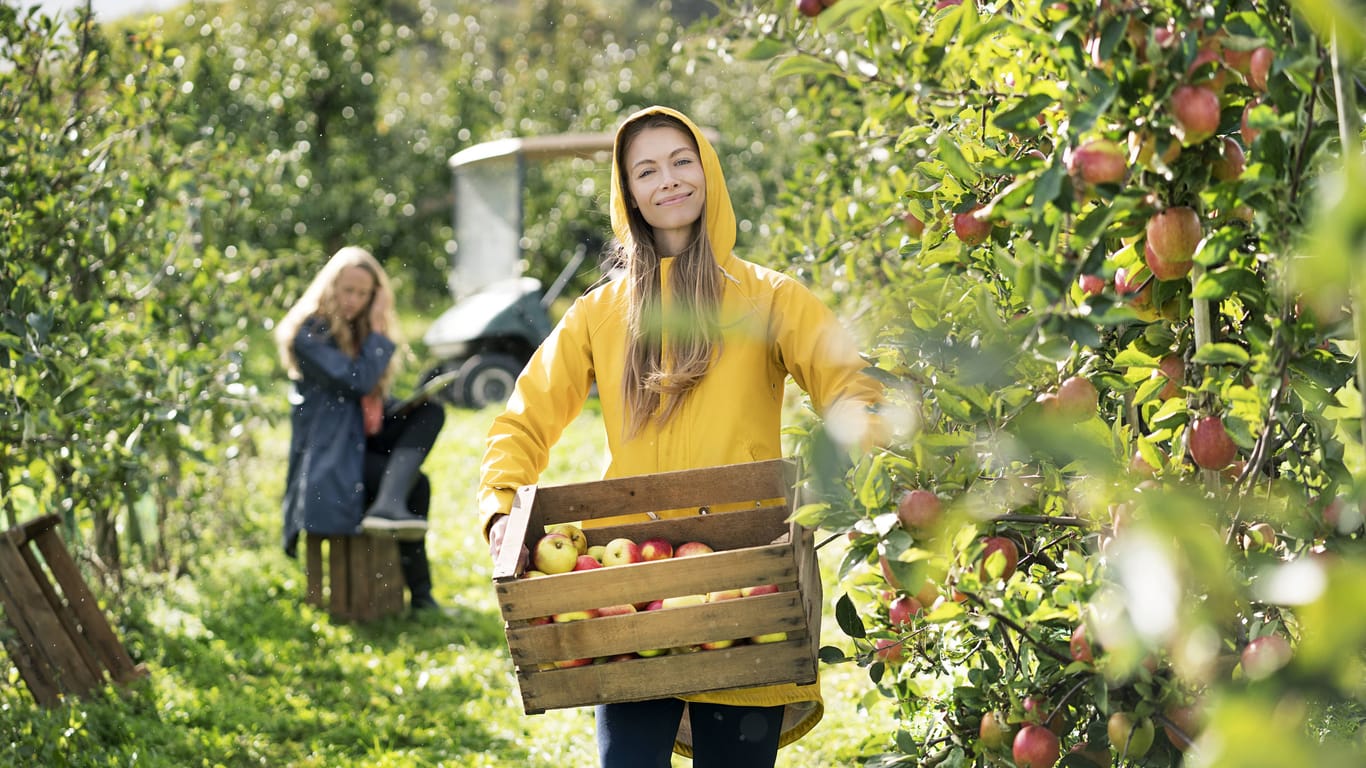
691	549
1098	161
1008	560
621	609
586	563
1210	445
555	553
1196	110
724	594
621	551
902	610
1035	747
574	533
759	589
970	229
570	663
656	549
918	509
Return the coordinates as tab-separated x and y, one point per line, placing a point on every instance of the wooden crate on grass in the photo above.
595	661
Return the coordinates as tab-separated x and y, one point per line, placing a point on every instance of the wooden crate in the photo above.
362	581
61	643
754	545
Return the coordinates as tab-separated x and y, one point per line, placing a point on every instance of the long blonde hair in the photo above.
657	377
320	301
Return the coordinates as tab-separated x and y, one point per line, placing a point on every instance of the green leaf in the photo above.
1221	353
846	615
1024	112
807	65
954	160
766	49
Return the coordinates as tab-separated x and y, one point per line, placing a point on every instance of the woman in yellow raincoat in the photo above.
690	350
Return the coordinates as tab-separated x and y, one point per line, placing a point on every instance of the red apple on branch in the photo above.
1035	747
1231	162
970	229
1264	656
1080	646
889	650
994	730
1098	161
1196	111
1077	398
1091	285
810	8
902	611
1000	557
1173	370
913	225
1259	68
1209	443
918	509
1174	234
1163	269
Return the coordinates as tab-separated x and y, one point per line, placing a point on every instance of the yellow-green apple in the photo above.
759	589
902	610
692	549
770	637
918	509
656	549
574	533
1035	747
1079	645
724	594
994	731
1264	655
533	574
1130	735
913	225
596	551
555	553
579	615
1002	567
715	645
621	551
682	601
1098	161
1231	162
970	229
1077	398
1196	110
1209	443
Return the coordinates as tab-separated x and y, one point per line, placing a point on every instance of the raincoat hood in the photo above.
718	212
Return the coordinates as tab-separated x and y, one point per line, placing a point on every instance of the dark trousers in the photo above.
416	429
641	734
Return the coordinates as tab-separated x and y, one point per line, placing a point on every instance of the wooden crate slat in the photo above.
37	624
94	624
735	619
529	598
725	530
675	675
313	570
665	491
32	671
64	616
338	555
357	579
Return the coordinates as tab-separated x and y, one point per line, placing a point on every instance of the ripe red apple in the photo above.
1261	536
1095	754
586	563
1127	283
1343	515
994	731
568	663
914	226
1174	234
902	610
1259	68
691	549
656	549
1130	735
621	551
810	8
1249	133
1265	655
1209	443
1231	161
1188	722
1080	646
621	609
889	650
1163	269
1173	370
1091	285
1196	111
1077	398
970	229
580	615
715	645
1007	562
759	589
1215	78
1098	161
918	509
1035	747
555	553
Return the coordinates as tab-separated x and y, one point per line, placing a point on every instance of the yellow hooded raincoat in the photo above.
773	327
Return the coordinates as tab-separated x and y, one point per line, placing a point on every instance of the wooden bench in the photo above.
362	582
61	642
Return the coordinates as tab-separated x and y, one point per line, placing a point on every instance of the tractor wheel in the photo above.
487	379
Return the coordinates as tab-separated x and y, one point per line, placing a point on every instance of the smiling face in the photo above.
665	181
354	288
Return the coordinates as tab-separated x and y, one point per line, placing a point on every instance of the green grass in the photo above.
243	673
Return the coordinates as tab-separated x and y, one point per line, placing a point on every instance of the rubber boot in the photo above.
412	559
389	514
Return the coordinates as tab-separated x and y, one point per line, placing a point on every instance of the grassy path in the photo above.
244	674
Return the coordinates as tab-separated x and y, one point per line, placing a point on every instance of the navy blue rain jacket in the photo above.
324	488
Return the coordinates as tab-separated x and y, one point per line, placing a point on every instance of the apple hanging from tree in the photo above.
1000	557
1165	270
1184	723
913	225
1264	656
1173	370
918	509
1098	161
1035	747
970	229
1080	646
1196	111
1172	238
994	731
1130	735
1209	443
889	650
1231	162
902	611
1091	285
1077	398
1259	68
810	8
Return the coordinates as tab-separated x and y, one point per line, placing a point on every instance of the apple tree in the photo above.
1110	256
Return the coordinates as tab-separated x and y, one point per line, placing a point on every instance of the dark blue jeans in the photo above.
641	734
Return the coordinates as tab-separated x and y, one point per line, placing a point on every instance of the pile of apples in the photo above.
564	549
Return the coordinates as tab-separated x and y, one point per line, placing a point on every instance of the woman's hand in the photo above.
497	532
379	311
